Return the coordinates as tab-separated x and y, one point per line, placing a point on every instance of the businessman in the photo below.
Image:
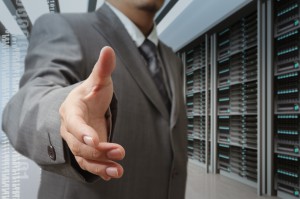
77	112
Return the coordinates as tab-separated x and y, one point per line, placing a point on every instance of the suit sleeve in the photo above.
53	67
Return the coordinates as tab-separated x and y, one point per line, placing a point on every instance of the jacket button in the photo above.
51	152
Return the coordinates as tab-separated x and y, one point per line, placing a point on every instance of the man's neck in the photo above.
141	18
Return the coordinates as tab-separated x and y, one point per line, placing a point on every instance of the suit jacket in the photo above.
62	52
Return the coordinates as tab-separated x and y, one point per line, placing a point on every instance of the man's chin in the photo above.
153	7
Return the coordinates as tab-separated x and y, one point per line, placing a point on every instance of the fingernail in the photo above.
112	171
115	153
88	140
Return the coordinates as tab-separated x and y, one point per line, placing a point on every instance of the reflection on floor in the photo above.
201	185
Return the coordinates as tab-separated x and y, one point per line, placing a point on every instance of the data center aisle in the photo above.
201	185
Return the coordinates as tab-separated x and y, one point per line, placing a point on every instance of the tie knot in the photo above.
148	49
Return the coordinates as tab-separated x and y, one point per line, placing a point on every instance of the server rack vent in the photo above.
286	98
237	91
197	94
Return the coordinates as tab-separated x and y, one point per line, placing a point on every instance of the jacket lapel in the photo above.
115	33
170	64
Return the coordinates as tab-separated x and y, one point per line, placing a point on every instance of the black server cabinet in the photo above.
286	84
197	80
223	78
236	98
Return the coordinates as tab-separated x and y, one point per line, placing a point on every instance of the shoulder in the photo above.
57	26
71	20
167	49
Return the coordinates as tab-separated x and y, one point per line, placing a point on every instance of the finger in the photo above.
85	133
105	170
101	74
110	152
114	151
98	87
80	149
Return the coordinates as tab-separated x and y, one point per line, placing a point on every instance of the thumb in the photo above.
101	74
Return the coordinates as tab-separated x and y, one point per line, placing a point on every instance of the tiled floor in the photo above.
201	185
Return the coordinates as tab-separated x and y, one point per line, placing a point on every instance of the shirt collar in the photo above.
136	35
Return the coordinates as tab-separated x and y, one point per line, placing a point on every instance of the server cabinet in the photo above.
235	97
236	100
286	97
196	60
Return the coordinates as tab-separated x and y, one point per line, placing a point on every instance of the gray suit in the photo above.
62	52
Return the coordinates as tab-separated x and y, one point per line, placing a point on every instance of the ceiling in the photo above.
188	19
184	22
36	8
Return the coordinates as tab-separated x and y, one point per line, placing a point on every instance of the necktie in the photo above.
149	52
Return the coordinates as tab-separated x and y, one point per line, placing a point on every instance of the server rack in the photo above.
286	97
236	99
196	60
245	94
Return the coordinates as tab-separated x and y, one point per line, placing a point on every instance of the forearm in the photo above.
31	122
31	119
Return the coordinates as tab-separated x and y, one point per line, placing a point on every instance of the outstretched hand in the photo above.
84	126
